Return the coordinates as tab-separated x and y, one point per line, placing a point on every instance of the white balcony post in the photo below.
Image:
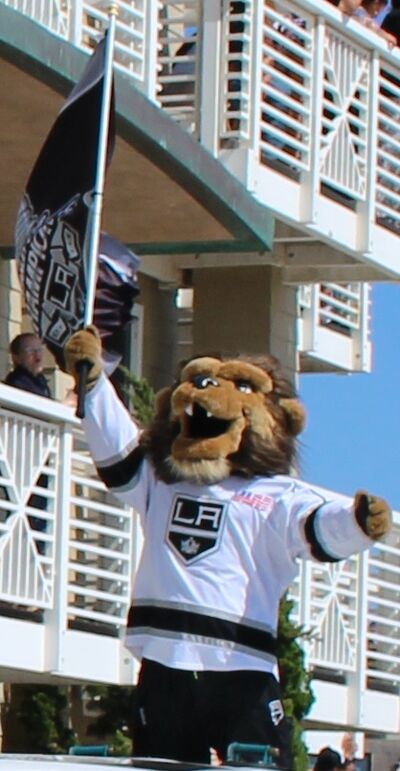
367	208
311	180
362	345
150	53
357	679
305	599
56	619
210	88
315	307
255	92
75	22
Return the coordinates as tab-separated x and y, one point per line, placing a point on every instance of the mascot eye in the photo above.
244	386
203	381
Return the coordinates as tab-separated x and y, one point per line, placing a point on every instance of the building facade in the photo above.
256	173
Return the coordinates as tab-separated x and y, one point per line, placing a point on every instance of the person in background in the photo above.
27	356
367	14
346	6
391	22
381	15
328	760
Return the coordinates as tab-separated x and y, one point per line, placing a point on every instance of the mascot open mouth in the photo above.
199	423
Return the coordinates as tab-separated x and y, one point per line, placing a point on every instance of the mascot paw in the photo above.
84	346
373	515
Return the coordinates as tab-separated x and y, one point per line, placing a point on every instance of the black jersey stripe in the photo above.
316	549
188	622
123	471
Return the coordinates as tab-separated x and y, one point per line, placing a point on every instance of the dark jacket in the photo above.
391	23
22	378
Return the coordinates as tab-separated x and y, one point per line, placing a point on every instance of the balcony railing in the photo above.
67	549
298	101
333	327
54	510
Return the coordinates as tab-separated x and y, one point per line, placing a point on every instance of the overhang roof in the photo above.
164	192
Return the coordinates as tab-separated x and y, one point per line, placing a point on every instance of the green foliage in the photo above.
295	681
139	393
38	719
122	745
114	705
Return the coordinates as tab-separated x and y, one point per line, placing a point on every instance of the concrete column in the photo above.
245	310
283	322
231	310
160	319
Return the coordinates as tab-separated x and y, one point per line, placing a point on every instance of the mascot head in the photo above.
225	417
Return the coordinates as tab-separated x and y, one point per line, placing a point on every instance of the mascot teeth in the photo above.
189	410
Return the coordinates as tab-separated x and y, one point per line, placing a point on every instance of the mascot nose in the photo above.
203	381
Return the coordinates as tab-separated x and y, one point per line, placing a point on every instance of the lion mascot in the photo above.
224	524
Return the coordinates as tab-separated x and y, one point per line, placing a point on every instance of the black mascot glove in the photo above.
84	345
373	515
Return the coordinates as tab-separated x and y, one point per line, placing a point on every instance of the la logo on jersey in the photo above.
195	527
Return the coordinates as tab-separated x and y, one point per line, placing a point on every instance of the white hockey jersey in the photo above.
216	559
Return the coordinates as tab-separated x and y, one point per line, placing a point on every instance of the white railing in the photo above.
178	61
53	14
58	520
290	88
343	309
285	85
351	612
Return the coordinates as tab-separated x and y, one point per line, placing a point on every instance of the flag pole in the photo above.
98	193
94	225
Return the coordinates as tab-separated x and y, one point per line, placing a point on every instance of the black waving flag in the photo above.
52	222
116	289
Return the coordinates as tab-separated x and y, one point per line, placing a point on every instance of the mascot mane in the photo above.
225	417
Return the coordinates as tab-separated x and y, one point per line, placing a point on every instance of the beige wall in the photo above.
231	310
245	310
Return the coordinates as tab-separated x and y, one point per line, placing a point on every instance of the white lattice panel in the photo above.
345	109
333	615
28	453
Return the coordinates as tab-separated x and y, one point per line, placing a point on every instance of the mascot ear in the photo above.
295	415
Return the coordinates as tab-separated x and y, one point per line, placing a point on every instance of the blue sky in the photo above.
352	439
